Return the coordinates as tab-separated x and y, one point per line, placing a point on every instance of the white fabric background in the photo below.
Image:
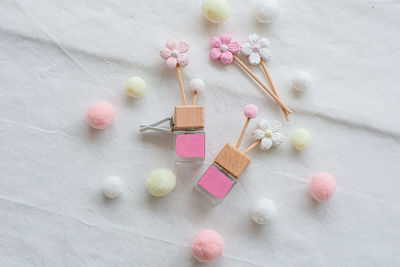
59	57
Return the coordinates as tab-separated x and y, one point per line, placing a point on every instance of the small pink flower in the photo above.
223	48
175	53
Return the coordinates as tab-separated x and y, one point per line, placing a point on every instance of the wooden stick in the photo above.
252	146
178	71
261	84
194	97
273	86
243	132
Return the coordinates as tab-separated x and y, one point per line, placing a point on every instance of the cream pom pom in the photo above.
263	211
301	81
160	182
196	85
215	11
266	11
300	139
135	87
112	187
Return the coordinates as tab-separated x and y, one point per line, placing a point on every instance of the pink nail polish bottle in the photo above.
219	179
188	127
189	134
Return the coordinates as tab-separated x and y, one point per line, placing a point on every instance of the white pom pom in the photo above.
263	211
112	187
197	85
267	11
301	81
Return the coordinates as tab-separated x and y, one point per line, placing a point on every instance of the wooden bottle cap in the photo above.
189	117
232	160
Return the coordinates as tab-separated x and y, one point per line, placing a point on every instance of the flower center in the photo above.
256	48
268	133
223	48
175	53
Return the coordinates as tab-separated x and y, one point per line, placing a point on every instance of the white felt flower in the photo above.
256	48
268	133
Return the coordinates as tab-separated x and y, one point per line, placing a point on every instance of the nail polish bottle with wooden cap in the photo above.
222	175
187	124
189	134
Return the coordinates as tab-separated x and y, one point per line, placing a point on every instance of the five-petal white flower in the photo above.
256	48
268	133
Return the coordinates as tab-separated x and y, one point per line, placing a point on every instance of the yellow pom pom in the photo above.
215	11
135	87
301	138
160	182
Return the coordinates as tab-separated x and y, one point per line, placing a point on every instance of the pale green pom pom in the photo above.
160	182
135	86
215	11
301	138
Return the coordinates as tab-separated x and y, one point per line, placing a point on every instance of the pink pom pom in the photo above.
100	115
322	186
207	246
251	111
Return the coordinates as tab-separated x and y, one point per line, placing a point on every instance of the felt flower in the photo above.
268	133
174	53
256	48
223	48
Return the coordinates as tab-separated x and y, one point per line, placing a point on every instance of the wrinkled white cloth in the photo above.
59	57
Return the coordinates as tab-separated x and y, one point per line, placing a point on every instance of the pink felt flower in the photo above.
175	53
223	48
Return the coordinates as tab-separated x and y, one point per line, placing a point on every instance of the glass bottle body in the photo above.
216	183
190	146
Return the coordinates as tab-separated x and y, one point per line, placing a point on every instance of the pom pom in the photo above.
266	11
196	85
112	187
263	211
100	115
300	139
215	11
135	87
322	186
160	182
301	81
207	246
250	111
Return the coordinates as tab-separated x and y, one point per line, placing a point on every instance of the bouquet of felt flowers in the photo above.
257	50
